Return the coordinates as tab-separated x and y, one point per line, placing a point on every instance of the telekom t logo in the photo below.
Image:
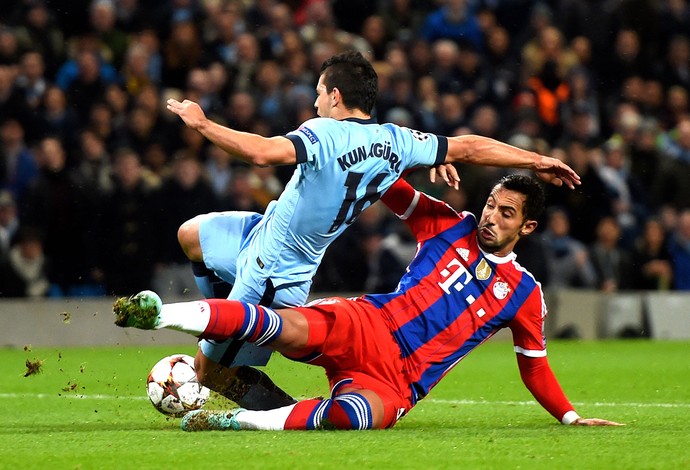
457	276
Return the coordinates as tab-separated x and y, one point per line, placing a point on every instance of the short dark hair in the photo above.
355	77
531	188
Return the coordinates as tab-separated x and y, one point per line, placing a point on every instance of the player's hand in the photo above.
447	172
594	422
190	112
554	171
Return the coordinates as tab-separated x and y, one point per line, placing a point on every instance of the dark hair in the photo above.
355	77
531	188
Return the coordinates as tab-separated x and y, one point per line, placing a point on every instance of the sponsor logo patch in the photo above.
310	135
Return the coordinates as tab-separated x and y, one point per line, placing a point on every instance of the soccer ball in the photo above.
173	388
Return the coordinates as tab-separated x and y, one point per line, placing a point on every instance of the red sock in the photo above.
240	320
226	319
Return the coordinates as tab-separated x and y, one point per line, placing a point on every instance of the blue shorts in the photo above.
224	237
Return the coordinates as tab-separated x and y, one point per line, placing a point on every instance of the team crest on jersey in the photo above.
310	135
501	290
420	136
483	270
464	253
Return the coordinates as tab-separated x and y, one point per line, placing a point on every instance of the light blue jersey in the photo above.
343	168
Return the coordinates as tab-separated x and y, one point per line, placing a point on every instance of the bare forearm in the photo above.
251	148
478	150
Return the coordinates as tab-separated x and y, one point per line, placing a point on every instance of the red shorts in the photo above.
353	342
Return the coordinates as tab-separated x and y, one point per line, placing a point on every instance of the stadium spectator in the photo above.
9	222
9	46
31	80
646	158
679	248
219	169
502	71
611	263
671	186
129	245
24	272
85	53
628	202
182	51
586	207
239	194
272	106
650	261
12	102
18	166
59	119
87	87
93	170
581	112
677	106
103	24
568	261
375	33
136	70
444	68
455	21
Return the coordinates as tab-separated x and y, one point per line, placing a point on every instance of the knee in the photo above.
188	238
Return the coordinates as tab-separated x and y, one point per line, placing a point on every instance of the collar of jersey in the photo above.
499	259
371	120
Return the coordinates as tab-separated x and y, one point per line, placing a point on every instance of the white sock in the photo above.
189	317
269	420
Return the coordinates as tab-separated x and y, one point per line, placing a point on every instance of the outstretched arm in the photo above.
252	148
485	151
542	383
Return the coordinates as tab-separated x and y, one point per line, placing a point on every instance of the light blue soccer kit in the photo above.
342	168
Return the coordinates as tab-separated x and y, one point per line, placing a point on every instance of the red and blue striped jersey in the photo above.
454	296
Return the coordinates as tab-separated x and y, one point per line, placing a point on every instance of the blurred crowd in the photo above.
96	176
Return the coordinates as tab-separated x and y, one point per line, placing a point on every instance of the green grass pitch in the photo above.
87	409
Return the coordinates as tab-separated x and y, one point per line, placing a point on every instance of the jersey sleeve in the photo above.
530	346
540	380
311	140
528	325
419	148
425	215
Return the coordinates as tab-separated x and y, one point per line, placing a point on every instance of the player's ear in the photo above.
528	227
335	96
